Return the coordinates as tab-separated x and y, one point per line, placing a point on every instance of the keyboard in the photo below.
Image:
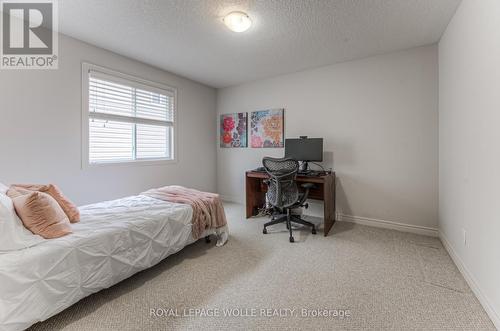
311	173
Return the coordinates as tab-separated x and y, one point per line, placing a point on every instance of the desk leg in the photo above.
329	204
255	198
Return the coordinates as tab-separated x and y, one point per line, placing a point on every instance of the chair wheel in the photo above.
264	231
313	231
292	240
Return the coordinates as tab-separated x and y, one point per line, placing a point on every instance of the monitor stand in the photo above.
304	167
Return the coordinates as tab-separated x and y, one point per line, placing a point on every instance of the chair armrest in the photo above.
307	186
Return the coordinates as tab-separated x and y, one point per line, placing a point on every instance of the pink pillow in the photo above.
40	213
70	209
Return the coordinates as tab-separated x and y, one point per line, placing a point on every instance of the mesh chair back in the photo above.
282	190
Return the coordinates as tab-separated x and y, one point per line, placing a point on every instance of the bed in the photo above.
114	240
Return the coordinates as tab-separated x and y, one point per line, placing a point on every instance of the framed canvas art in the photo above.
233	130
267	128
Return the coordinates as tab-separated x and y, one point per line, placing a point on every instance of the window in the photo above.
127	119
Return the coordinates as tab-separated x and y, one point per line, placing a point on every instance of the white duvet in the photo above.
113	240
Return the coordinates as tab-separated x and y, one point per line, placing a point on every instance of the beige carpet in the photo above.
385	279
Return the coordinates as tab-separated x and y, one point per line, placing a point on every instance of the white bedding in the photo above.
114	240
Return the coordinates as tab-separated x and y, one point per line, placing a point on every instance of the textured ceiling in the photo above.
188	37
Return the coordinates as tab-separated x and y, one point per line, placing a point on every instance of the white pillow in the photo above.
13	234
3	189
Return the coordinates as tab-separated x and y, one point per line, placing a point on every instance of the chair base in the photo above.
288	219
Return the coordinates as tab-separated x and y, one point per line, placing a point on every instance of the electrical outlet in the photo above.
464	236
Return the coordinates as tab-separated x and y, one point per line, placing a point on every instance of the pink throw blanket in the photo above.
208	212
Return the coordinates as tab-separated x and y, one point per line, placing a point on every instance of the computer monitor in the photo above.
304	149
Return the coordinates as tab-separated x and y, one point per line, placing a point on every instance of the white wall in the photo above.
469	144
40	129
378	117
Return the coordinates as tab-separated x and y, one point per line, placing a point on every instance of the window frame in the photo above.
134	82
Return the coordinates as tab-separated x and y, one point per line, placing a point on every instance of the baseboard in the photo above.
469	278
229	198
423	230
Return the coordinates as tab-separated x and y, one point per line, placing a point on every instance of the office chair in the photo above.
283	193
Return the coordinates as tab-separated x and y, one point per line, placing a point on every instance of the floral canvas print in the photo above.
267	129
233	130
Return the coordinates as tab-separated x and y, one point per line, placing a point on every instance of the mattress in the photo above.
114	240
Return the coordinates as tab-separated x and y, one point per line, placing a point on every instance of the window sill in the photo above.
138	163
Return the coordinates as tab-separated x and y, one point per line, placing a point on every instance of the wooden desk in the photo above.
324	190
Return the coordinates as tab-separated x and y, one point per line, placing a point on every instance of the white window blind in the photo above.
128	120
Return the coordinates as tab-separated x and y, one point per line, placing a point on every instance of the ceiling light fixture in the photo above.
237	21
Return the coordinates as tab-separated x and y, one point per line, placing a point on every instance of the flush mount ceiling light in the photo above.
237	21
